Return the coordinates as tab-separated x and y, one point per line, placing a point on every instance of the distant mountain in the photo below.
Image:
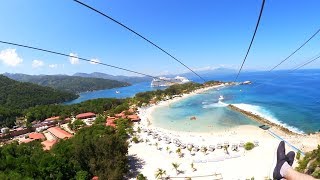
127	79
74	84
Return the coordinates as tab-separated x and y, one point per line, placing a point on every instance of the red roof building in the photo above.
134	118
23	140
110	121
36	136
112	124
86	115
120	115
59	133
47	145
52	118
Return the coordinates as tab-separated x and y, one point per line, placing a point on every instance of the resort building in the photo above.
133	118
47	145
86	115
36	136
59	133
55	118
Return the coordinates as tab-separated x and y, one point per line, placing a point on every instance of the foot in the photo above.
290	157
281	160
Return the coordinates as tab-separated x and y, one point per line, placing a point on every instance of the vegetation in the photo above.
76	125
248	146
16	96
135	139
160	173
310	164
98	106
141	177
73	84
192	167
94	151
298	155
176	167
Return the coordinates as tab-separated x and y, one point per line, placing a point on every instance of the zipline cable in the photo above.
80	58
295	50
138	34
254	34
292	70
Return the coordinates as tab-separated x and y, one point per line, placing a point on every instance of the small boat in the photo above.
117	92
193	118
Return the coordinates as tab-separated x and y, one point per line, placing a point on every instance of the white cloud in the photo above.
94	61
53	65
74	59
37	63
10	57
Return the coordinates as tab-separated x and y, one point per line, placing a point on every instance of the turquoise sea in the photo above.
291	99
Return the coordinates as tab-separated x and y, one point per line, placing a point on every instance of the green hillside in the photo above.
72	84
16	96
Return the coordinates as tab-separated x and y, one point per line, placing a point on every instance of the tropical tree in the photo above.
205	150
178	151
192	167
160	173
168	149
175	167
190	149
226	149
141	177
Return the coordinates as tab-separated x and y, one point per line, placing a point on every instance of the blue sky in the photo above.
202	34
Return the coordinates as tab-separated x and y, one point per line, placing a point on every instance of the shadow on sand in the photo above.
135	164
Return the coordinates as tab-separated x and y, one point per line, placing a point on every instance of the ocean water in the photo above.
289	99
124	92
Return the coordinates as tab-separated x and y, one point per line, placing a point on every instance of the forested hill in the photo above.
16	96
128	79
72	84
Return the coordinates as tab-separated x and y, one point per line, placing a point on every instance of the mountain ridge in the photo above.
74	84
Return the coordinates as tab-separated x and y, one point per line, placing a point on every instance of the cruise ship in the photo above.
163	81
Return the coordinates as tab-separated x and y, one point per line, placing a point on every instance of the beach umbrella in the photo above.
190	145
183	146
211	148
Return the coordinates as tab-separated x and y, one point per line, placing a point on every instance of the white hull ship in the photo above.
164	82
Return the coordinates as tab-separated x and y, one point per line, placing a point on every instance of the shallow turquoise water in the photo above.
210	115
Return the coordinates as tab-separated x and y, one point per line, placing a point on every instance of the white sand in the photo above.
256	163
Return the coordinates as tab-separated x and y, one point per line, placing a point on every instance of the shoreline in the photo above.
302	141
151	151
260	119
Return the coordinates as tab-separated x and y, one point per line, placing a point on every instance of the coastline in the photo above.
152	151
260	119
304	142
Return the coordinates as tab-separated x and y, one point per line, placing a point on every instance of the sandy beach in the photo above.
153	153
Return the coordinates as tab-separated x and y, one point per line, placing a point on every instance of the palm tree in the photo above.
178	151
159	173
176	166
192	167
205	150
168	149
226	149
190	149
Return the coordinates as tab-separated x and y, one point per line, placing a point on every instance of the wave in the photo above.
262	112
215	105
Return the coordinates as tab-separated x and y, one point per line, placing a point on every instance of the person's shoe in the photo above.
281	159
290	157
